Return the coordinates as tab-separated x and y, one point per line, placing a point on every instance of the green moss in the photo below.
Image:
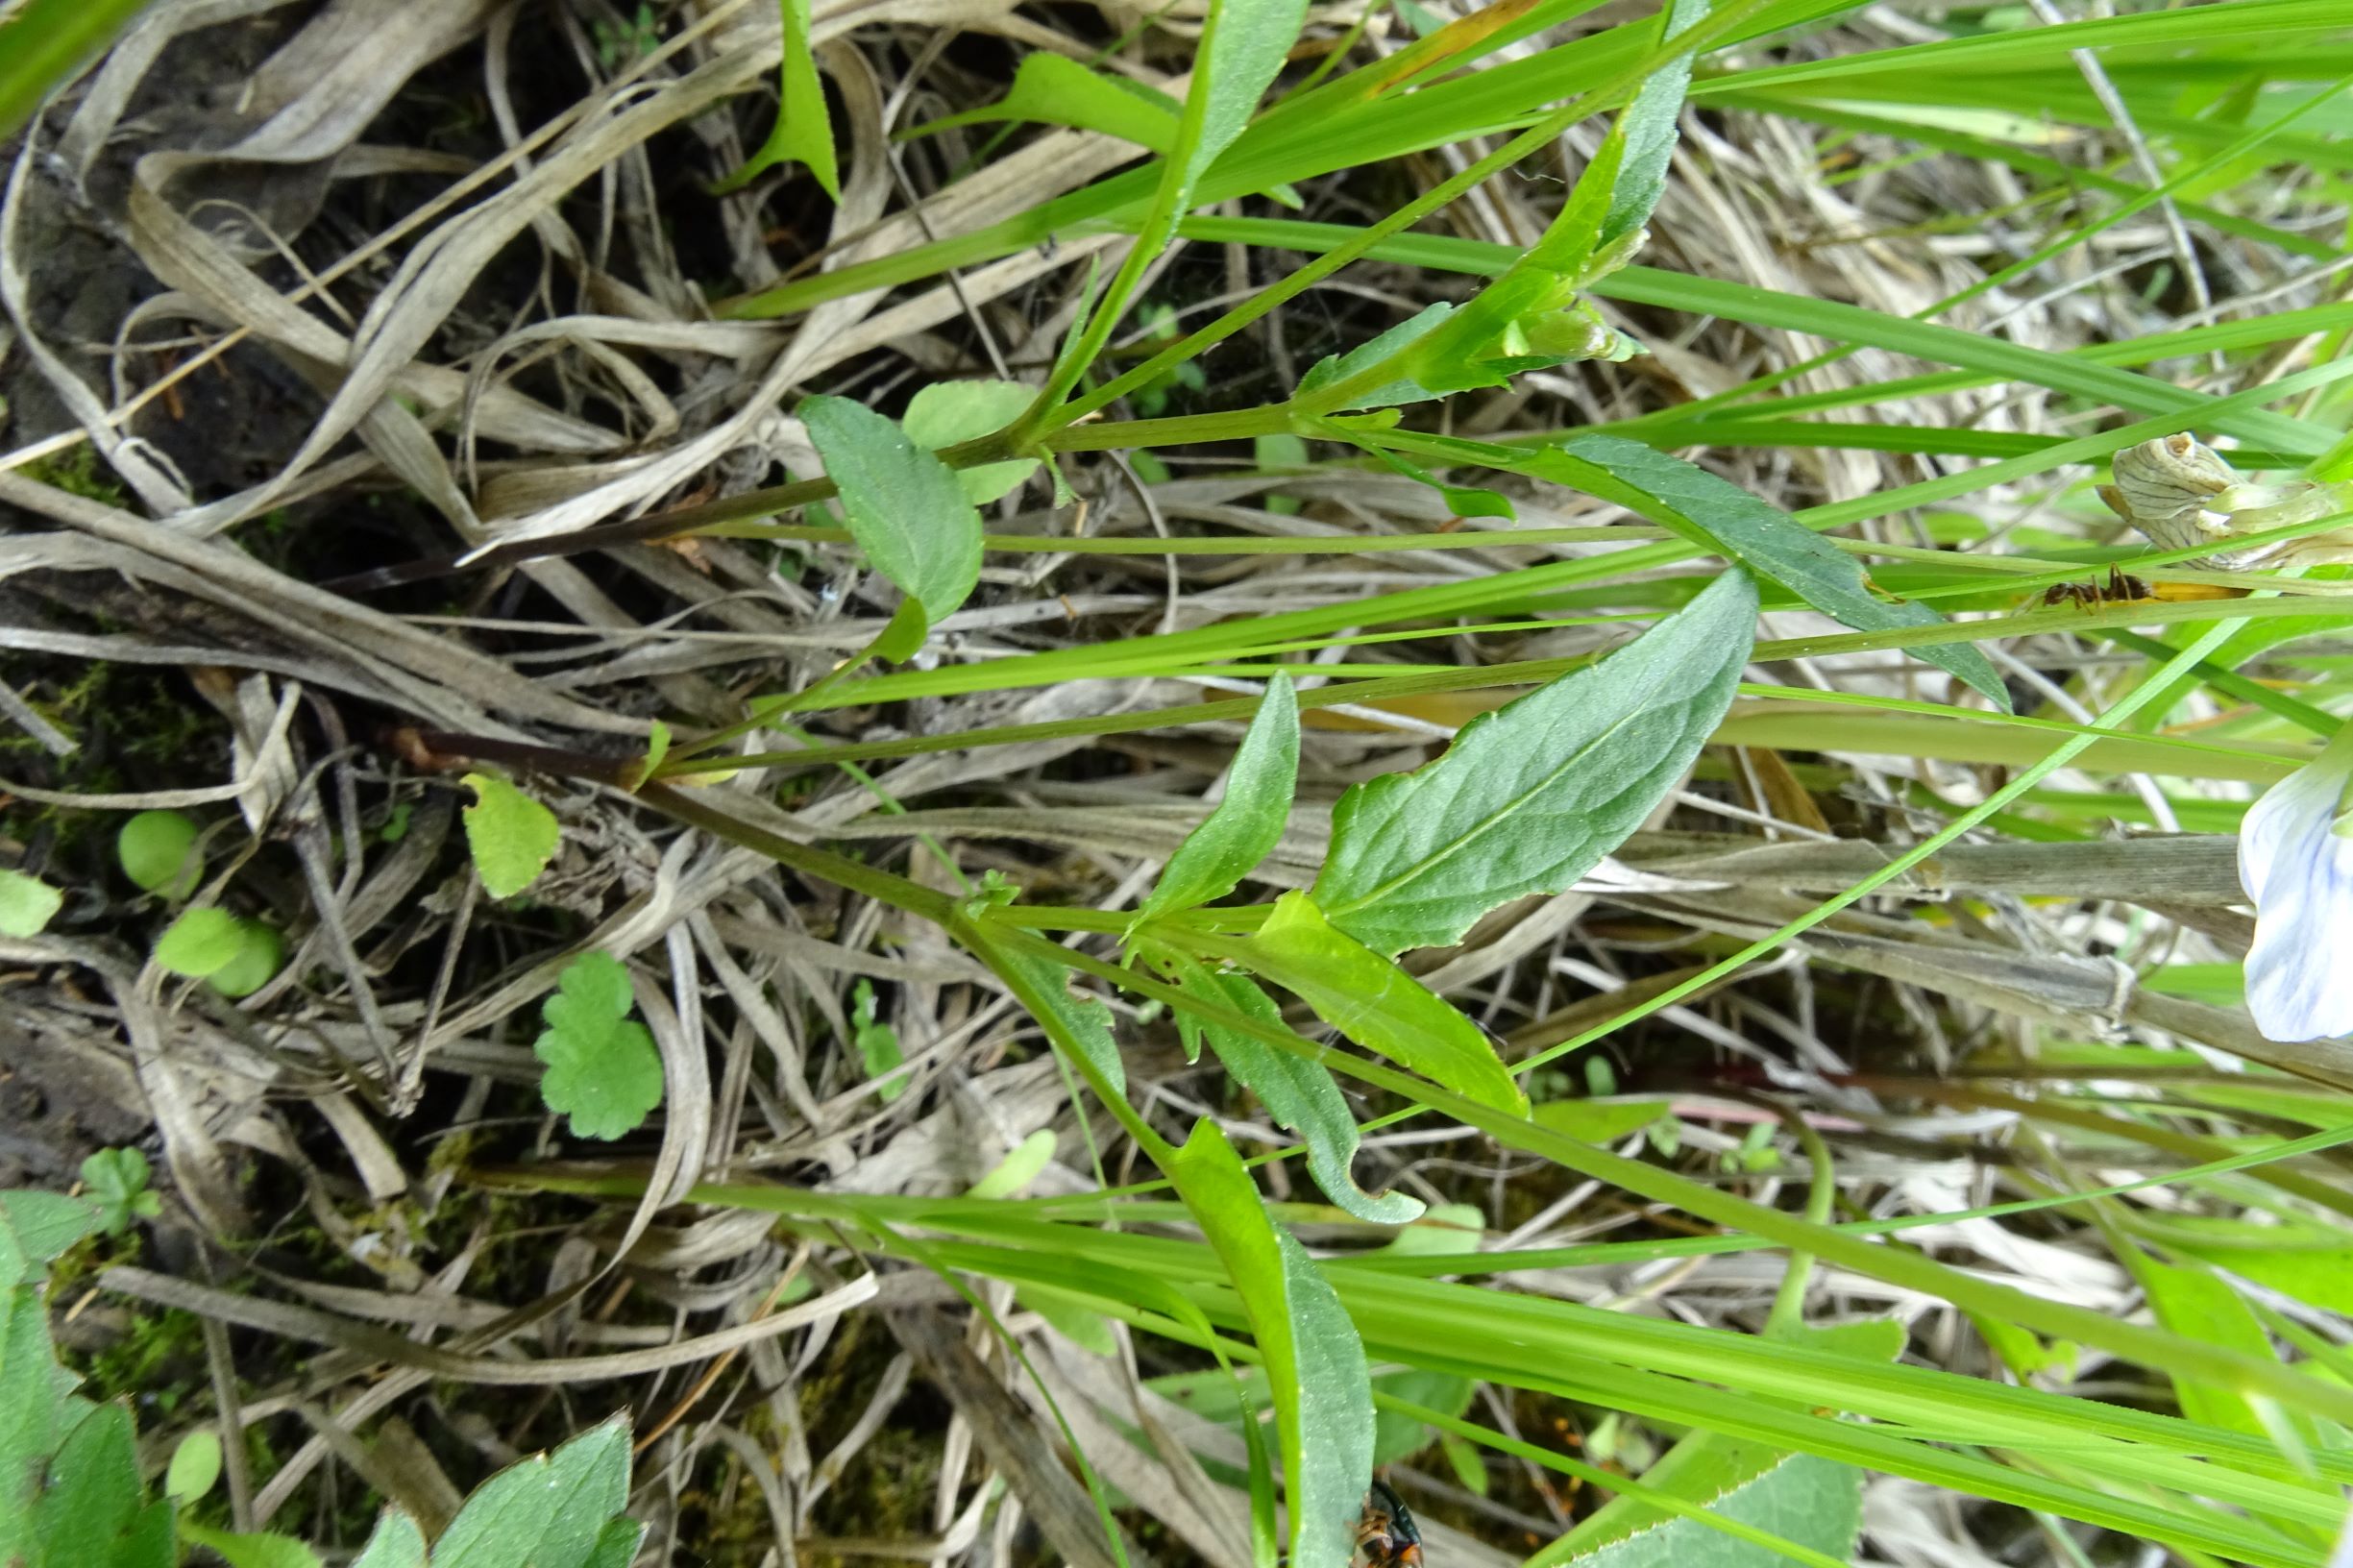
78	471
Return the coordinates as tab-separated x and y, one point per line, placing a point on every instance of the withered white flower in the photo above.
2295	861
2180	492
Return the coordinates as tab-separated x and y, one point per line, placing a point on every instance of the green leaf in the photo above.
1054	89
511	836
1070	1317
200	941
616	1545
261	1549
115	1180
26	904
1381	1007
1019	1167
1818	1504
1313	1359
602	1070
90	1513
1333	369
1648	130
156	849
36	1227
878	1043
1247	821
551	1511
260	953
1765	539
903	506
1529	797
945	413
196	1465
657	746
803	131
1599	1121
1300	1094
1810	1501
396	1543
40	43
2196	1303
1243	48
1079	1024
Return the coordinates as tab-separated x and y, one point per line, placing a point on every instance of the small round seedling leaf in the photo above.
156	850
196	1464
603	1071
512	837
26	904
201	941
260	951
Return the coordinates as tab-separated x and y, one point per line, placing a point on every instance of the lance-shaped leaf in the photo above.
1247	821
803	132
1300	1094
1372	1001
1529	797
1314	1362
1762	538
907	512
1647	130
1055	90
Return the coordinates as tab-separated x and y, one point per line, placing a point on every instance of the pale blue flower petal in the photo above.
2299	875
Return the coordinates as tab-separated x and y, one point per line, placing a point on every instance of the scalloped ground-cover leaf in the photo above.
603	1069
1529	797
1759	536
1247	821
905	508
510	836
1314	1362
1367	997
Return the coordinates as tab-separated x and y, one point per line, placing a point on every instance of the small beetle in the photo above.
1385	1534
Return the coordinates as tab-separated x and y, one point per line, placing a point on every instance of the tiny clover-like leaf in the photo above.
906	511
26	904
947	412
156	849
200	941
115	1180
1248	820
603	1071
511	836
